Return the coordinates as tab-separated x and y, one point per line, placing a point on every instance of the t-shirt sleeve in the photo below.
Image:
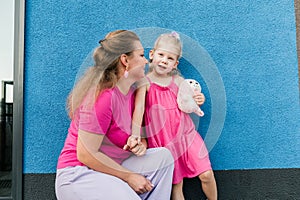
97	118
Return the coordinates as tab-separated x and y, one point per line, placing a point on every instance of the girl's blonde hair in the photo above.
104	73
172	40
174	46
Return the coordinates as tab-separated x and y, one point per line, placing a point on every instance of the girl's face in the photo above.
136	62
163	61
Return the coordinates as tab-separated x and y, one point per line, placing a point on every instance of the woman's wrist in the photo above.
125	176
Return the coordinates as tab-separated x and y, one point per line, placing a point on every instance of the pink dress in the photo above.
169	127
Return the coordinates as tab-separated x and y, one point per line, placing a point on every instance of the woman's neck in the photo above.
124	85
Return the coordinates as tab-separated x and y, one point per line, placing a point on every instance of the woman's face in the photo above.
136	62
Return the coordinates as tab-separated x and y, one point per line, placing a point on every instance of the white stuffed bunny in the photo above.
185	100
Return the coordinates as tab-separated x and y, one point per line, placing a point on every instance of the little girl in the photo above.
166	125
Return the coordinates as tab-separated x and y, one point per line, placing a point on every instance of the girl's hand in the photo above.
139	183
135	145
139	149
132	141
199	99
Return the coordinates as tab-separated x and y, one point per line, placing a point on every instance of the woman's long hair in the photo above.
104	74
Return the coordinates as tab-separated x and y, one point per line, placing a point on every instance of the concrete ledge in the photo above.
232	184
250	184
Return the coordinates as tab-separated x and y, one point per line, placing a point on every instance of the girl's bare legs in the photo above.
177	193
209	185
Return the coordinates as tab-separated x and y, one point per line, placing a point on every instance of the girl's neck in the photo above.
162	80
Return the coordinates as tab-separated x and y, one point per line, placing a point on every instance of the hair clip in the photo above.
100	41
175	34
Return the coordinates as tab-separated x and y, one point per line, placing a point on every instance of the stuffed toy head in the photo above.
194	85
185	100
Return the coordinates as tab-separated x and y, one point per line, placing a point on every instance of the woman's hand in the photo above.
199	99
139	183
135	145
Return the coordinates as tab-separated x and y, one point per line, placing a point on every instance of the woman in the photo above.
93	163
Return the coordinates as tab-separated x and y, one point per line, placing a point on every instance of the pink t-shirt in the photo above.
110	116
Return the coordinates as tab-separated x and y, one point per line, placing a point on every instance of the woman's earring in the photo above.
126	73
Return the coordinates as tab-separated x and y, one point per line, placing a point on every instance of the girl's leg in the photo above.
79	183
157	165
177	193
209	185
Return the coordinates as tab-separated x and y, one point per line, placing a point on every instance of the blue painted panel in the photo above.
252	44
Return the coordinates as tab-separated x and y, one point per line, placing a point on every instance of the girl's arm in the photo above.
137	119
139	109
88	153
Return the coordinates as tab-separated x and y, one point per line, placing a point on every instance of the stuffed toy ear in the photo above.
184	97
185	100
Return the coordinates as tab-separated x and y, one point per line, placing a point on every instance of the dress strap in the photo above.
173	78
148	79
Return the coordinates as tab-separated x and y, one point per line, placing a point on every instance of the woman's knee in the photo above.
207	176
163	157
166	156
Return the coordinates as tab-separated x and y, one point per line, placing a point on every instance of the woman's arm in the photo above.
88	153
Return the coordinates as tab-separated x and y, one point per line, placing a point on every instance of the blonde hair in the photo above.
104	73
172	40
174	46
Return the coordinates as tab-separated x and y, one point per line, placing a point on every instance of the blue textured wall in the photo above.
252	43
